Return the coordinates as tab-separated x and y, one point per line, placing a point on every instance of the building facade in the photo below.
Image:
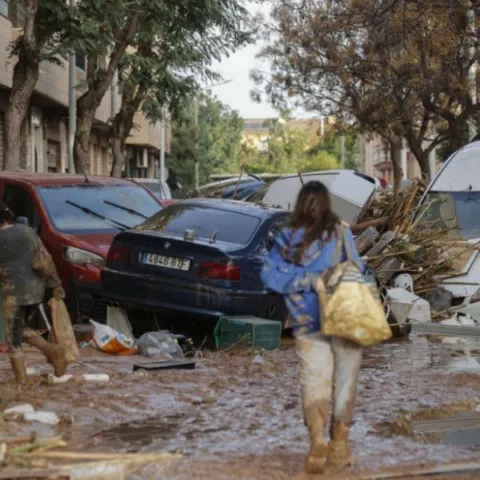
378	161
46	126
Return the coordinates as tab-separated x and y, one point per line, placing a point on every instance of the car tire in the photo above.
273	308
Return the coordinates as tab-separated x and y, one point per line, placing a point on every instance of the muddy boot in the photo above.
318	446
339	454
17	359
55	353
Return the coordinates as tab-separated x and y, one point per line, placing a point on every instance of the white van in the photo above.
350	191
452	200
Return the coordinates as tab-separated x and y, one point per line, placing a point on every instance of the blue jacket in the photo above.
296	282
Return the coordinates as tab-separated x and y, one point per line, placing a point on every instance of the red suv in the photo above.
77	219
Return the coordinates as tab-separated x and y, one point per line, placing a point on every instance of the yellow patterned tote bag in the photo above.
350	307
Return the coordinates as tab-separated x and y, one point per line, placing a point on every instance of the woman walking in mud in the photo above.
26	269
329	366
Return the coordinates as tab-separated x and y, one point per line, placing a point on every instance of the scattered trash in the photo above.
405	256
160	344
18	410
408	306
110	341
96	377
166	365
48	418
105	471
117	319
34	371
85	345
52	379
258	360
87	377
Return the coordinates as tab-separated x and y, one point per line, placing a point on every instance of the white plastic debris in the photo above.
3	451
117	319
105	471
34	371
406	305
258	360
19	410
52	379
48	418
96	377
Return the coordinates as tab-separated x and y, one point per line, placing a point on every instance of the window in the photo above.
21	204
276	227
14	10
80	61
4	8
225	225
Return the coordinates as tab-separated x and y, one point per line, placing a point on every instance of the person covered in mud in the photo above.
26	269
329	367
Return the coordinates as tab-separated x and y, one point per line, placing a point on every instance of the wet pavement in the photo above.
232	418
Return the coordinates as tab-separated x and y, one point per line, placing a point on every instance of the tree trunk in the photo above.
119	154
25	77
122	126
424	162
88	103
396	153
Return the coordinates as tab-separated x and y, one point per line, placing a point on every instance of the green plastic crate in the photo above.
248	331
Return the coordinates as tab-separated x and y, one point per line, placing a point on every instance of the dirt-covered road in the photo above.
237	415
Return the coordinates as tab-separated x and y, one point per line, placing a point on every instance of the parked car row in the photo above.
126	241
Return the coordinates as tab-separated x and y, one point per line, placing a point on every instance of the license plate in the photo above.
168	262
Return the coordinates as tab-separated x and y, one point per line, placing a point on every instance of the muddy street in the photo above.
238	415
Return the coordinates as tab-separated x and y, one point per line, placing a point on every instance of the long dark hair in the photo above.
6	215
313	212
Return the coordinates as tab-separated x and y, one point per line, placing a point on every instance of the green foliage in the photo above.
50	24
219	141
288	150
173	54
332	144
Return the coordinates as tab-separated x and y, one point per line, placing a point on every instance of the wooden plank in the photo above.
366	240
384	241
26	473
430	328
465	467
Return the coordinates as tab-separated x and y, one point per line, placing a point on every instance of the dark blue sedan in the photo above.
200	257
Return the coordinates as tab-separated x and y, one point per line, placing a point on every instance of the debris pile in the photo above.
32	457
410	256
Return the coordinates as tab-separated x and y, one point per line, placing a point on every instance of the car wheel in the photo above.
273	308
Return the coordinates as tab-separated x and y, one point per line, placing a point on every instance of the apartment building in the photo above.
378	162
47	121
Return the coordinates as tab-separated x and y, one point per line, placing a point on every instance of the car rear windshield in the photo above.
97	208
230	226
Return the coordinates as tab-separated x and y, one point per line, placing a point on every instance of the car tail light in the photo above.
118	254
219	271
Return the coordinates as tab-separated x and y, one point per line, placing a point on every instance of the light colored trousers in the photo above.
329	369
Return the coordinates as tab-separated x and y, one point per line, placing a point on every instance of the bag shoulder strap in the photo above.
342	242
